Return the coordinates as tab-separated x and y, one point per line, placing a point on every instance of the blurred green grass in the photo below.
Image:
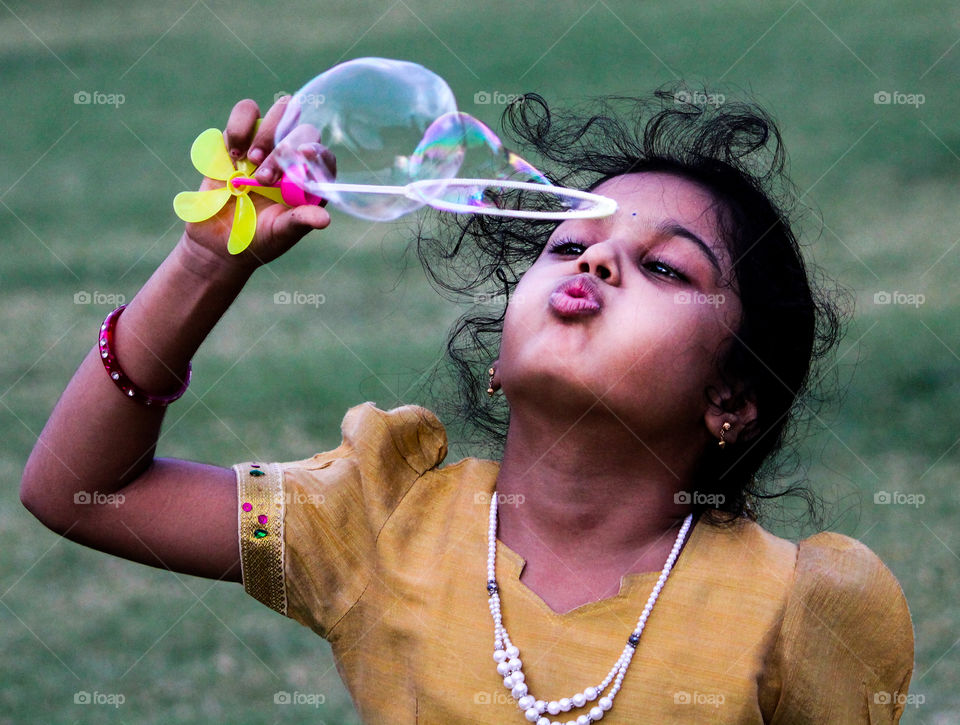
86	197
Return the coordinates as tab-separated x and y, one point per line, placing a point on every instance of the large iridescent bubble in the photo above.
371	113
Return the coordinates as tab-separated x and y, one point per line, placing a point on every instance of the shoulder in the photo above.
828	571
843	581
410	437
382	455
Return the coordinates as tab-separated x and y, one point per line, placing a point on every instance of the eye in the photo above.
662	268
566	247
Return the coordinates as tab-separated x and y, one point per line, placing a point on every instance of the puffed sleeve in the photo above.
845	648
308	529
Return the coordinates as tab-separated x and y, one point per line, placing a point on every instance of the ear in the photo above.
729	406
496	373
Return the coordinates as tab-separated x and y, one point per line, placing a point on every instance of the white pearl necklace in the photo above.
507	656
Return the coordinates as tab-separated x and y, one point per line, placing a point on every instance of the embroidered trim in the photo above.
260	525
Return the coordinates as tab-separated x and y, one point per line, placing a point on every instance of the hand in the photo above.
279	227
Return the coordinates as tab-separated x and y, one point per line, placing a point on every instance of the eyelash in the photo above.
560	244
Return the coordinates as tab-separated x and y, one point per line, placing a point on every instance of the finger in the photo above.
240	125
269	171
263	140
316	153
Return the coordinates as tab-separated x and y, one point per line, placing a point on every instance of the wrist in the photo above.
210	266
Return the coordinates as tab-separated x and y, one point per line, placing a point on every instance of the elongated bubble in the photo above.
489	179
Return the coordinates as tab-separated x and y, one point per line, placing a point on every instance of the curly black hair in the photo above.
791	318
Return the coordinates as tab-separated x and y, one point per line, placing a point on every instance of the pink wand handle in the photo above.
291	192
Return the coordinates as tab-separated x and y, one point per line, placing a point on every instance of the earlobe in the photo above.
739	411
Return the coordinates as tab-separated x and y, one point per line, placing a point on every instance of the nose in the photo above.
600	259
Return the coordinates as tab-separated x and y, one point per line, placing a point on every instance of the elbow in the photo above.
35	497
30	497
42	511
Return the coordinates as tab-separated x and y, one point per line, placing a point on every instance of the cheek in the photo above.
527	298
673	347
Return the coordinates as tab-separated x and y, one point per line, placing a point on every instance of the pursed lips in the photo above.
575	296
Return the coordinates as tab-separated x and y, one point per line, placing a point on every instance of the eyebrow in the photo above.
675	229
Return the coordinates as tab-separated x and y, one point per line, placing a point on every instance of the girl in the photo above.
610	564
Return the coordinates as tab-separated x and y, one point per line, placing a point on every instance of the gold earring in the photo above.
723	431
490	390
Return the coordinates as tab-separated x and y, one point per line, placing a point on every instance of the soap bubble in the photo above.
400	143
372	113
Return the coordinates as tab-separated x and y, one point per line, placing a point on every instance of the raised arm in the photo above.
92	475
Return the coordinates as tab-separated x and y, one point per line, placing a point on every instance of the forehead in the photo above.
651	197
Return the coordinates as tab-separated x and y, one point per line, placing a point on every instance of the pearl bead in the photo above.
514	664
512	652
532	715
526	702
605	703
508	682
591	693
565	704
504	669
541	706
553	707
519	691
543	721
579	699
518	676
596	713
583	720
499	655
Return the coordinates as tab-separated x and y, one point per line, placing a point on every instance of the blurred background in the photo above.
100	105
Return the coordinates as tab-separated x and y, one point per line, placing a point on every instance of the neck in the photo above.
588	490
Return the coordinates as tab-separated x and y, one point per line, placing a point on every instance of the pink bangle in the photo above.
112	366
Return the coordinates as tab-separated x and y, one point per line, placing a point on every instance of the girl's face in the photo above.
644	345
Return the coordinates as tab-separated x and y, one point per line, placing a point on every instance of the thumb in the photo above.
296	222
